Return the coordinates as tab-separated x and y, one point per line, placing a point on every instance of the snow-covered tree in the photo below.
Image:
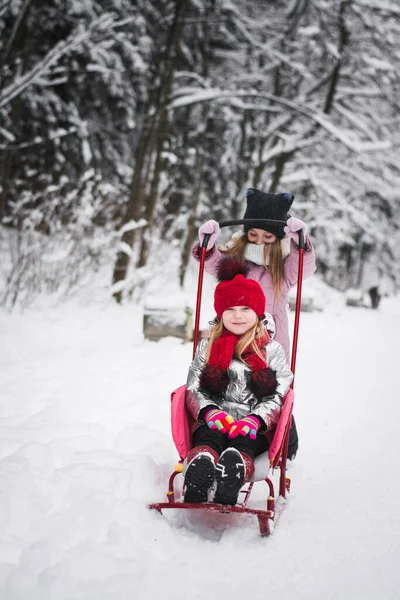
73	88
126	124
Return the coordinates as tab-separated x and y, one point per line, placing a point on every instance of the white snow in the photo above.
85	444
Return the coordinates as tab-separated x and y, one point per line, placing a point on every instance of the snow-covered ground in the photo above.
85	444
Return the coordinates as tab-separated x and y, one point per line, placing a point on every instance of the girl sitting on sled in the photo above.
235	390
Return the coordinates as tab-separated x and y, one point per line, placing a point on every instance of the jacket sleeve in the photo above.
291	268
195	399
269	408
213	258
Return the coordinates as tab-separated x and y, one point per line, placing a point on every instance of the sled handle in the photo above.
199	291
285	448
244	221
298	303
299	283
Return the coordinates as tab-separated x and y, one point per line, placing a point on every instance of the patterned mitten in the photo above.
249	425
219	419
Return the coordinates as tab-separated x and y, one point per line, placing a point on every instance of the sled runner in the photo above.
276	457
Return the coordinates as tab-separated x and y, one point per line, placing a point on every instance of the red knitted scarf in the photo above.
223	350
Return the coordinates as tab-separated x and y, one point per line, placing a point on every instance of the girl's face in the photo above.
259	236
239	319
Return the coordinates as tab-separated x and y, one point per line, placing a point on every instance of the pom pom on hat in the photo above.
237	290
261	205
228	268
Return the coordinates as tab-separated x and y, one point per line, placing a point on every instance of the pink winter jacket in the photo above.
278	308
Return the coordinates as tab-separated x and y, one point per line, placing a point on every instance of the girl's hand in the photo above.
219	419
211	227
247	426
293	225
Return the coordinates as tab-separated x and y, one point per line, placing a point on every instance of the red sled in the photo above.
275	458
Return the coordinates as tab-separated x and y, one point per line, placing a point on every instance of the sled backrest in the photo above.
180	423
181	429
282	429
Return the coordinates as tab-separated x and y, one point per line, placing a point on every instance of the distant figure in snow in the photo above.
271	253
374	296
371	281
234	391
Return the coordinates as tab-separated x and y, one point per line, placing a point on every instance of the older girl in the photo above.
271	252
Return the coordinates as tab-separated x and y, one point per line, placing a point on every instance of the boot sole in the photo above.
230	472
199	478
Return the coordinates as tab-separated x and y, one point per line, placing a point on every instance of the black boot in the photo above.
199	477
230	474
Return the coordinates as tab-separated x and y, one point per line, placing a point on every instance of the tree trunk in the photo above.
4	176
343	41
148	164
17	35
191	225
283	158
162	129
134	206
242	168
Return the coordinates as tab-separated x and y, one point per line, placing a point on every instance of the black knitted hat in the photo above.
261	205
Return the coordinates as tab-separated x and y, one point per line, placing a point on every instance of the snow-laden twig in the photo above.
76	38
7	134
132	225
38	140
355	145
4	5
383	6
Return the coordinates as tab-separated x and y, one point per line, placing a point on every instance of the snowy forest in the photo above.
125	124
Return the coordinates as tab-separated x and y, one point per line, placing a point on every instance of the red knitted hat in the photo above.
237	291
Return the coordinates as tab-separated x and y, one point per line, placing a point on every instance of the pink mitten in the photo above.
218	419
293	225
249	425
213	229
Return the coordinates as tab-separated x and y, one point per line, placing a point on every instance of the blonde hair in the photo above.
247	341
272	251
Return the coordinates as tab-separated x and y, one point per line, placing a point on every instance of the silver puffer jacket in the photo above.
238	400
